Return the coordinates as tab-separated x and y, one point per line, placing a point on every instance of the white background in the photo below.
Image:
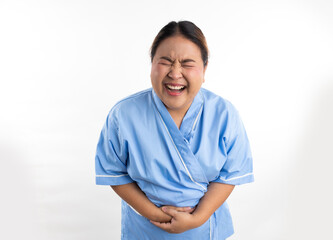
64	64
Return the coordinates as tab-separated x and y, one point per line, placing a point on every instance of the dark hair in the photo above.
184	28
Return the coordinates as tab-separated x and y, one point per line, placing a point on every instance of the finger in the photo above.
172	207
183	209
170	211
164	226
191	210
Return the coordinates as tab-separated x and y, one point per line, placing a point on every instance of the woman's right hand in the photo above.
181	209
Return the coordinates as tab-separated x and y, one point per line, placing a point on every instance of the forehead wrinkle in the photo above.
175	55
180	49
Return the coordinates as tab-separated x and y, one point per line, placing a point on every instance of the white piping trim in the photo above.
226	180
112	175
189	174
196	119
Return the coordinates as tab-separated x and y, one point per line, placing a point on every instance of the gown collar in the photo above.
190	120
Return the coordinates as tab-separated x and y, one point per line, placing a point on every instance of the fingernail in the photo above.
164	208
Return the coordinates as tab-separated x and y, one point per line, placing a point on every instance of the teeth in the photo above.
175	87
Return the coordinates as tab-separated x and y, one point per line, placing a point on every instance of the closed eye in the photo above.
187	65
165	64
165	61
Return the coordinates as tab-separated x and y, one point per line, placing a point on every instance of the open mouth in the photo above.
175	89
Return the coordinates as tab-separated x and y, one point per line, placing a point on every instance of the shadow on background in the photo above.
309	188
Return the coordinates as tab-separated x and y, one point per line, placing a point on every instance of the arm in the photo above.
215	196
134	196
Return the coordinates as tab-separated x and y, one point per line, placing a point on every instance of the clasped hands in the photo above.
177	219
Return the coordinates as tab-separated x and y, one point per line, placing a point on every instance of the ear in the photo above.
205	66
204	72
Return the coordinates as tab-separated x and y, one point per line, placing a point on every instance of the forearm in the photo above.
215	196
134	196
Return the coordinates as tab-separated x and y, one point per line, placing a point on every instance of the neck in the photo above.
177	116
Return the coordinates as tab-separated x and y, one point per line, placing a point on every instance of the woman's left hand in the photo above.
181	221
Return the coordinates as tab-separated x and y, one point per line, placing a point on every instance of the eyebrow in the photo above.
183	61
187	60
167	59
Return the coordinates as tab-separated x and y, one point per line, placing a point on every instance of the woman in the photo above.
174	153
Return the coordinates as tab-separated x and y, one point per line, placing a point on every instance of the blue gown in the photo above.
141	143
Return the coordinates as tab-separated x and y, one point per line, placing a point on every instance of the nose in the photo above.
175	72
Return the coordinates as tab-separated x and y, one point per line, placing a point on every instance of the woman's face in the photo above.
177	73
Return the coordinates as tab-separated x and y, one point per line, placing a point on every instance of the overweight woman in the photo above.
174	152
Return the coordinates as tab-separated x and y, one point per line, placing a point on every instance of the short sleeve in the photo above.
111	155
238	168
